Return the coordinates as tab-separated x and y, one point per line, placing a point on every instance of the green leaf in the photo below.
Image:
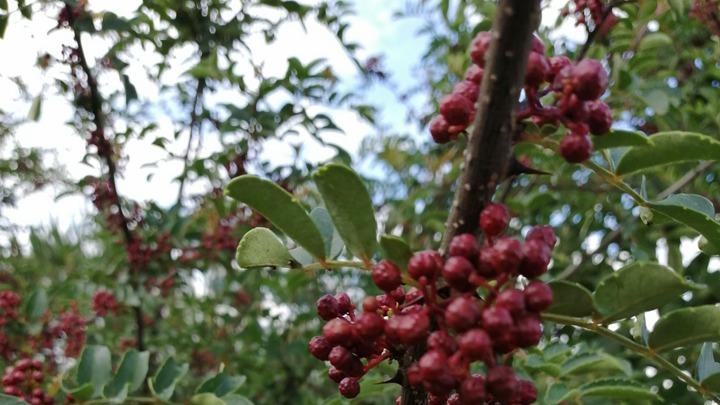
712	382
350	207
221	384
708	248
637	288
571	299
280	208
620	138
112	22
655	40
4	5
595	362
260	247
3	24
36	304
235	399
695	211
333	242
686	326
9	400
669	147
163	383
130	90
396	250
35	108
130	374
206	399
557	393
25	10
94	368
620	389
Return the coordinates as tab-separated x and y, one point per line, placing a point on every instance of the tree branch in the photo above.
197	100
685	179
489	146
99	121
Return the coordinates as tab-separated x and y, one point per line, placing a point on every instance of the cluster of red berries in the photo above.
466	309
576	87
707	12
24	380
104	302
594	8
9	304
70	325
69	14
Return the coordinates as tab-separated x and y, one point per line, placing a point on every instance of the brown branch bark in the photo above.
96	108
489	146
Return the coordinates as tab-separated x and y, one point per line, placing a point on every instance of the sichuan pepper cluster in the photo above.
556	91
467	311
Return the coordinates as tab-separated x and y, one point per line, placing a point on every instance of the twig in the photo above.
606	241
199	92
99	121
593	34
686	179
614	235
489	145
644	351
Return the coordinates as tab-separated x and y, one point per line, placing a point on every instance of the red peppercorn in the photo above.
494	218
457	272
464	245
543	233
319	347
427	263
513	300
386	275
441	341
462	314
472	390
474	74
456	109
590	79
475	344
338	331
369	325
467	89
576	148
479	47
599	117
538	296
408	328
536	257
327	307
349	387
502	383
440	129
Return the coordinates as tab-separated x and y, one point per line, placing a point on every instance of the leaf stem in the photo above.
142	400
630	344
337	264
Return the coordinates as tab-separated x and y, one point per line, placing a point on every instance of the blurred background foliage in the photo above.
199	307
